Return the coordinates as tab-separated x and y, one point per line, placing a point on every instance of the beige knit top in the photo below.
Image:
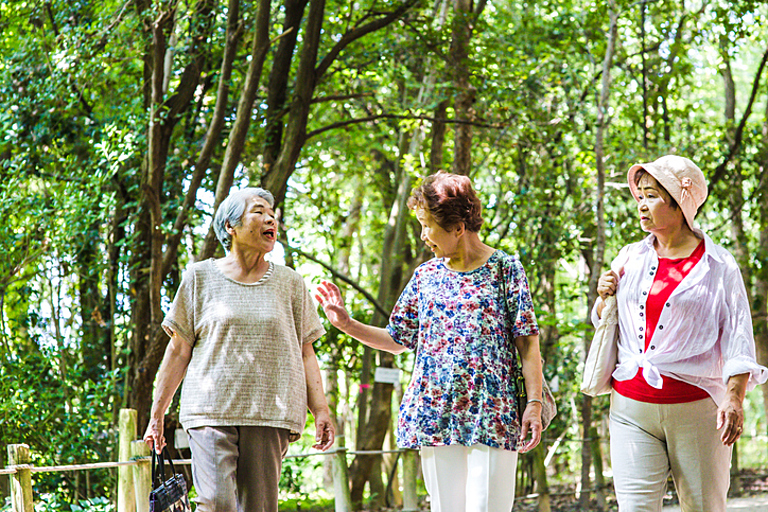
246	367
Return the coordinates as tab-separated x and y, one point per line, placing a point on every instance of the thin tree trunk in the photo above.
237	136
371	436
465	92
599	248
438	138
278	80
148	340
212	136
760	302
275	177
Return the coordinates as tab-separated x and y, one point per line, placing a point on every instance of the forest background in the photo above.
125	123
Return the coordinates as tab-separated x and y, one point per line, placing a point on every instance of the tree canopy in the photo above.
125	123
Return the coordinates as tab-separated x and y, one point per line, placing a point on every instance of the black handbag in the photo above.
167	495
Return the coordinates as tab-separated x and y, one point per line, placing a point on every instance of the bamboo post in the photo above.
21	481
410	470
540	476
142	477
342	499
597	463
736	487
126	493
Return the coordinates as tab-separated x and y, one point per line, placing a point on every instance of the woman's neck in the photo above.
470	254
679	243
244	266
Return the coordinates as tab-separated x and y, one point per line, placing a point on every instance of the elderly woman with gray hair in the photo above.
241	331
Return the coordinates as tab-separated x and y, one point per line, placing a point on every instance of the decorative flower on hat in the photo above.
686	182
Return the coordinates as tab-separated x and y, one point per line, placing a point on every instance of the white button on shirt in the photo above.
704	334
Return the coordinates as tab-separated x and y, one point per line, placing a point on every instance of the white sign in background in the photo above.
387	375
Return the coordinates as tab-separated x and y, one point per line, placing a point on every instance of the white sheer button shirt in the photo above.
704	334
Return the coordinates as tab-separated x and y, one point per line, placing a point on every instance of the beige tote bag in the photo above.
603	353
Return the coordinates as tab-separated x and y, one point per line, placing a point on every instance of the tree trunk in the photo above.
148	340
371	436
760	302
438	138
237	136
94	346
212	136
275	179
465	93
599	248
278	80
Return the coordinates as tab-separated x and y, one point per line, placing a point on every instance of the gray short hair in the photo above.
231	210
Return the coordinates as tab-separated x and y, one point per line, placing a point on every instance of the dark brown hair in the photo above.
450	199
642	172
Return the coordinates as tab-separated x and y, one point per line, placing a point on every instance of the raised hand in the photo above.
329	296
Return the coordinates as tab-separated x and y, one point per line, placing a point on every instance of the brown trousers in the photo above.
237	469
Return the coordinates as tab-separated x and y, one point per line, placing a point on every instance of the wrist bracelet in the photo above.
535	400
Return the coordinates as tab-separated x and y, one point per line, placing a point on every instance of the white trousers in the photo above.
477	478
650	441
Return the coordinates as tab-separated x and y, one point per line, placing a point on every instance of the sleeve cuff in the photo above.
314	335
170	327
392	332
757	374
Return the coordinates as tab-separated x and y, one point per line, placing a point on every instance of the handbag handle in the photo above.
158	473
507	317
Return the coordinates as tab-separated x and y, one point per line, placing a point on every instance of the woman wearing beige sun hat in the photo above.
686	349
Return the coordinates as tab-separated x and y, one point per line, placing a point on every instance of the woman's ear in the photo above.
460	229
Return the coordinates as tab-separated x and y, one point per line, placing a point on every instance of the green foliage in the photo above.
74	120
59	414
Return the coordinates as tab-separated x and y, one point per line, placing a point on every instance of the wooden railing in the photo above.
134	478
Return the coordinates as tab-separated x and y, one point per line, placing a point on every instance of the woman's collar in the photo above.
710	249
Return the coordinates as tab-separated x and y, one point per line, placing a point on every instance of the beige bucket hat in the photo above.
680	177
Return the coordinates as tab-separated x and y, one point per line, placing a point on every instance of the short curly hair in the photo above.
450	199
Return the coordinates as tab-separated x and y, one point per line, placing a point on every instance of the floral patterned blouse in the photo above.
462	390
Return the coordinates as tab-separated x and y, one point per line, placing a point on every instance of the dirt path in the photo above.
751	504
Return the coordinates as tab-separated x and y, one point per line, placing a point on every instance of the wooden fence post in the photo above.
342	499
21	481
142	477
126	493
410	470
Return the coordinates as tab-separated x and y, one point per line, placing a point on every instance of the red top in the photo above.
671	273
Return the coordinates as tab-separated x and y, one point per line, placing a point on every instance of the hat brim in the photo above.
631	178
670	186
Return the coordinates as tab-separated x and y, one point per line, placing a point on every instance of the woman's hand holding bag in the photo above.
604	350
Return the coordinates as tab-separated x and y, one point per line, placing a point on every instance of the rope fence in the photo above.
134	474
134	482
13	469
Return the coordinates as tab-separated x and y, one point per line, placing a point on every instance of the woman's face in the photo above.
653	205
442	242
258	229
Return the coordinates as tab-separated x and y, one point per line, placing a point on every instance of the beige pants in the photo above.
474	478
650	441
237	469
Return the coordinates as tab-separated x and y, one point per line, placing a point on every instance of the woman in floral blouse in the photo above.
466	313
